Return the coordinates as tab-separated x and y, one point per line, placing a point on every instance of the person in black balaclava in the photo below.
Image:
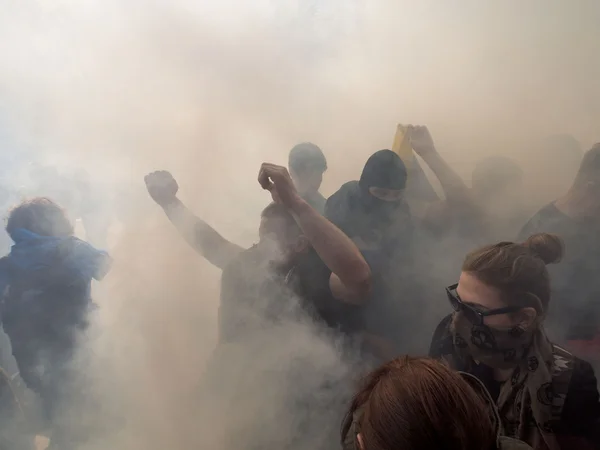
375	215
372	211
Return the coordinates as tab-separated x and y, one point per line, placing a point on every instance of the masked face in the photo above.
494	347
382	202
498	341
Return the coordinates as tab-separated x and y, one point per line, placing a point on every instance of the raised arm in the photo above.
351	275
163	188
459	207
454	187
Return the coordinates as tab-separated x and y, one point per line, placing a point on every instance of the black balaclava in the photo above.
383	221
384	169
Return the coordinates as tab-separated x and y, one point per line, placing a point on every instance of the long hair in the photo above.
417	403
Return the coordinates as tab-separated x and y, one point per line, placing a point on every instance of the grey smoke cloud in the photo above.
211	89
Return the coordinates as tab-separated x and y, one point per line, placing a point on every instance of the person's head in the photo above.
498	180
41	216
417	403
384	177
510	275
307	164
280	234
587	179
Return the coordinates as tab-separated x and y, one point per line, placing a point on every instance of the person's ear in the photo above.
361	444
526	317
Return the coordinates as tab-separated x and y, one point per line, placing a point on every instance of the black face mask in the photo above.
386	170
383	212
383	169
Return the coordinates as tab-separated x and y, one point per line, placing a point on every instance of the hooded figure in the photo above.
373	211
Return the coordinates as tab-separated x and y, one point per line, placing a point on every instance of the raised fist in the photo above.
421	140
162	187
276	179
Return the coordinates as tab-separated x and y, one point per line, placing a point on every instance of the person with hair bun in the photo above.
545	396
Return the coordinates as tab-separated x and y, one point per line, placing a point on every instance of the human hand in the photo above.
161	186
421	140
277	180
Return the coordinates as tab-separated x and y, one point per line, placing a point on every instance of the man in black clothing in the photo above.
299	252
575	308
307	164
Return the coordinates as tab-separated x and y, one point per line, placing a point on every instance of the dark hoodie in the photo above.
384	233
359	214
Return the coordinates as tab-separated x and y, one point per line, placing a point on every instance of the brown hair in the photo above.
417	403
39	215
518	271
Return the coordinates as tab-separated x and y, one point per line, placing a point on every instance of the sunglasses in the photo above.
474	315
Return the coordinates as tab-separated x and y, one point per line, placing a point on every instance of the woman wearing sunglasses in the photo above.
545	396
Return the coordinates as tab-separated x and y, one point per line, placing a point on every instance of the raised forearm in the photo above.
336	249
454	187
201	236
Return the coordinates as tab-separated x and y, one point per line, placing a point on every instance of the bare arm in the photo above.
163	188
455	189
351	275
458	195
200	235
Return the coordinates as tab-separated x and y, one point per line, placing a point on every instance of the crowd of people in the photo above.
510	366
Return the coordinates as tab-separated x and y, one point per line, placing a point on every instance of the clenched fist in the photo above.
276	179
421	140
162	187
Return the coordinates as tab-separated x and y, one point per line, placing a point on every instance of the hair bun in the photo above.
550	248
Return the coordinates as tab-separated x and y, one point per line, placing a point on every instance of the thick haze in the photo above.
210	89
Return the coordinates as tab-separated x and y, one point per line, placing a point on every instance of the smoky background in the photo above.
209	90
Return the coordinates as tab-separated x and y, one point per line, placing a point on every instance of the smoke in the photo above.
209	90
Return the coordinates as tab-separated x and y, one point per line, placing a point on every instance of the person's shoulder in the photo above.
547	219
441	342
444	324
340	203
345	190
346	187
581	410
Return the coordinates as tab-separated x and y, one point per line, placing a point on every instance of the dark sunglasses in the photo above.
472	314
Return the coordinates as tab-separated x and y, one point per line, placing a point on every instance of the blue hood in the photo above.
33	254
